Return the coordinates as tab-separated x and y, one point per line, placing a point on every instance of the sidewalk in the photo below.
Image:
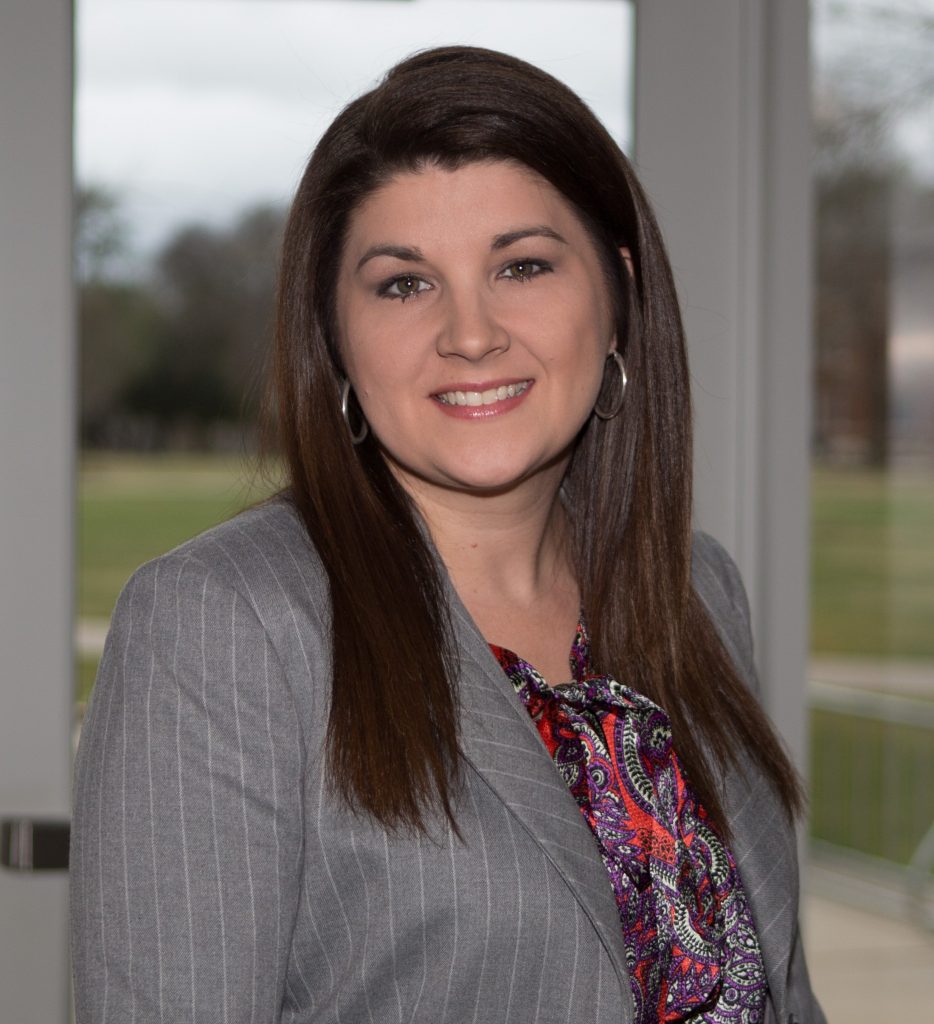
900	677
867	969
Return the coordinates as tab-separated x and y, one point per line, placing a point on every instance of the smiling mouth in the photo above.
488	397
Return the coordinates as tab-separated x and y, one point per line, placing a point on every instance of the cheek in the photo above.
361	339
362	349
374	377
382	377
588	334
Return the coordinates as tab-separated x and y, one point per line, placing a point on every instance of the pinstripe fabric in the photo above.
215	878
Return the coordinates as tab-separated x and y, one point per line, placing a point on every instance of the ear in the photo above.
627	259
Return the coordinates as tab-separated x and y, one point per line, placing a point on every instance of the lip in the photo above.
476	412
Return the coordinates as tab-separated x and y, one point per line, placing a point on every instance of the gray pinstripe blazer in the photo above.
214	877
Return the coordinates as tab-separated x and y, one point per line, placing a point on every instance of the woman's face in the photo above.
474	324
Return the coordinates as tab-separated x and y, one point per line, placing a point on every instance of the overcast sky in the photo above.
882	53
195	109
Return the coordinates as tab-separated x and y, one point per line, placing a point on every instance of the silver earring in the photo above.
345	412
608	414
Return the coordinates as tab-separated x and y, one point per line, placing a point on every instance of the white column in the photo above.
723	146
36	457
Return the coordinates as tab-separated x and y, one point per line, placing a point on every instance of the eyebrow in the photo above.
399	252
538	231
411	254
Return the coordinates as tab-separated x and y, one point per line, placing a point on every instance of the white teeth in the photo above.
474	398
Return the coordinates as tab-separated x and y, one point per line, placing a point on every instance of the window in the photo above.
872	638
193	123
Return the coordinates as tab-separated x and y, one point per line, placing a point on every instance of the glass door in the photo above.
194	122
872	512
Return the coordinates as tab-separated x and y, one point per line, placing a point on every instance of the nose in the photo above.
470	328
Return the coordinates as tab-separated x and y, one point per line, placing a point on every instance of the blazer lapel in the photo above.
502	744
765	851
500	741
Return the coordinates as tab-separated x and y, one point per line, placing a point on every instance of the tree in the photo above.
880	74
117	318
100	234
215	291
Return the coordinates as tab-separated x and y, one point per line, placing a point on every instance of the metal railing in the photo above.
872	784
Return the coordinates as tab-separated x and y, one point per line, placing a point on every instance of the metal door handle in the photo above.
29	844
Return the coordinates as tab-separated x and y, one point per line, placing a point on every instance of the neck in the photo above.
513	544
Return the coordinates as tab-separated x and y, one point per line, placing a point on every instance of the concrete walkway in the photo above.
90	635
898	677
867	969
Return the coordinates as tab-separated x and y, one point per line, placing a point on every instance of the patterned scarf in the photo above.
691	943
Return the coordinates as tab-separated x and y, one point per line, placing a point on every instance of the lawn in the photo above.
872	561
870	784
132	508
872	593
872	564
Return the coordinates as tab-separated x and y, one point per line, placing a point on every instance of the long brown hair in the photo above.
393	747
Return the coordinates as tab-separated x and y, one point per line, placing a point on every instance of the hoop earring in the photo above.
608	414
345	412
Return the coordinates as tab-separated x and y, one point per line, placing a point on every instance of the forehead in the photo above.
476	201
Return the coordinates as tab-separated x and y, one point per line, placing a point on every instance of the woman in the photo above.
315	782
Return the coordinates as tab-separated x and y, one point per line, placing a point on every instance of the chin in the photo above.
480	472
487	485
481	480
497	477
476	478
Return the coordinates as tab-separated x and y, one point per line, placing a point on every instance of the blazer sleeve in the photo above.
186	837
720	586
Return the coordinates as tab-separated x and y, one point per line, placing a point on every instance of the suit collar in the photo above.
500	742
765	851
763	842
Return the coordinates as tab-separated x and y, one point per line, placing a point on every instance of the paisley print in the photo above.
691	944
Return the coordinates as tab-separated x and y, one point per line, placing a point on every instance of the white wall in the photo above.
723	146
36	452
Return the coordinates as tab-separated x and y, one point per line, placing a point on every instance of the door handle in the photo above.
30	844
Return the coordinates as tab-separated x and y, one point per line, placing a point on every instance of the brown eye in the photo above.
404	287
525	270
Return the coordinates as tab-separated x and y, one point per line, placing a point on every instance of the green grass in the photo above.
872	564
870	784
872	561
85	671
132	508
872	595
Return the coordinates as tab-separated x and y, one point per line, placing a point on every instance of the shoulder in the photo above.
261	548
262	559
263	553
245	601
716	577
719	585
